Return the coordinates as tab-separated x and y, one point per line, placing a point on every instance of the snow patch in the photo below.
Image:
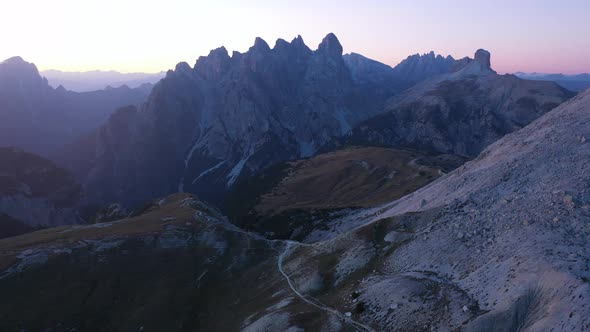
189	156
235	172
209	170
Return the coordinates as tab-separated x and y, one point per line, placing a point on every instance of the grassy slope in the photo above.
140	282
354	177
299	193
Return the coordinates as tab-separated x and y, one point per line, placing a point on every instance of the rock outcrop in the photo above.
484	58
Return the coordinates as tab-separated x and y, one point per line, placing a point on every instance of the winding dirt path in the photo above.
314	302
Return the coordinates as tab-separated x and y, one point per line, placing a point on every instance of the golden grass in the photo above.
352	177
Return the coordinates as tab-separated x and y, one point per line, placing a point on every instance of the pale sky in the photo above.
150	35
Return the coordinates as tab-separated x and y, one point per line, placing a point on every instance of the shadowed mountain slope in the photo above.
40	119
34	191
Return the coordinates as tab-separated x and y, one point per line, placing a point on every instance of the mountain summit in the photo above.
481	64
330	45
483	57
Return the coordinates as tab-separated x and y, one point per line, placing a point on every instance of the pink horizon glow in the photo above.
150	36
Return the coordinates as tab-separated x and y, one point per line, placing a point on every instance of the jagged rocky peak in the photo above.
19	67
260	45
281	44
331	45
182	67
216	63
295	48
298	41
418	67
430	56
299	46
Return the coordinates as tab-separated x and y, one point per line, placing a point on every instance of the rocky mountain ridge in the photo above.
230	117
416	68
205	127
461	112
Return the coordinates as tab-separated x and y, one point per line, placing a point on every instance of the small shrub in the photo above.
359	308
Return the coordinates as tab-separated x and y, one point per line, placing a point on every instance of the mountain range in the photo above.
98	80
576	83
28	104
207	127
461	112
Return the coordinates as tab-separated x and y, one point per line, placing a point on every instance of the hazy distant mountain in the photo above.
204	127
576	83
98	80
38	118
461	112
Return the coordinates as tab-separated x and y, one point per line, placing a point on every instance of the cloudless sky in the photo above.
150	35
